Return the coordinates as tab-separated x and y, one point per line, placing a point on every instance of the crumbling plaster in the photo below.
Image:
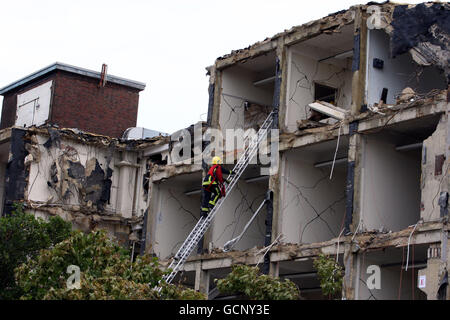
416	107
171	212
91	180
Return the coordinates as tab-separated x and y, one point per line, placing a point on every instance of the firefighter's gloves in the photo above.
228	179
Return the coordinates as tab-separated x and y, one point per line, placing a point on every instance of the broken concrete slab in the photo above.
328	109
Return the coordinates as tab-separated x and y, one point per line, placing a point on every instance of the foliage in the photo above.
106	272
21	237
330	275
248	281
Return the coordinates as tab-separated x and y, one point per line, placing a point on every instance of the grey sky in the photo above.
166	44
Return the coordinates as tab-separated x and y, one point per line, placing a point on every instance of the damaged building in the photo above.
360	99
62	151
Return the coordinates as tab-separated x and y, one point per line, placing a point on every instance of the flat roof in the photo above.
75	70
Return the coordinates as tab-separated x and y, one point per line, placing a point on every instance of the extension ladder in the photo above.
204	222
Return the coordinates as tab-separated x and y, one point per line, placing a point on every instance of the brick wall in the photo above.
78	102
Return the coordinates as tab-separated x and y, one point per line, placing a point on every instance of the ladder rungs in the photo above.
203	223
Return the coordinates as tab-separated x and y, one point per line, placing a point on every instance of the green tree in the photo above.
106	272
22	236
248	281
330	275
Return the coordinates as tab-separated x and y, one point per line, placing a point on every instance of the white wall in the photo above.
238	82
390	194
175	215
397	73
431	184
303	71
33	106
390	282
38	190
234	214
307	191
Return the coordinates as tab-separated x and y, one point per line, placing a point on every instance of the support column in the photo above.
211	90
217	92
350	276
435	275
353	184
359	62
274	269
268	235
124	202
201	279
16	174
274	180
444	289
152	216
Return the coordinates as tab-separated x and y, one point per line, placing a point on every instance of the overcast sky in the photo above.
166	44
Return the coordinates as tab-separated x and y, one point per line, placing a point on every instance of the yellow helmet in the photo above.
216	160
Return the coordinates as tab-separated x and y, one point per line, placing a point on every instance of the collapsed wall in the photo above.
363	177
90	180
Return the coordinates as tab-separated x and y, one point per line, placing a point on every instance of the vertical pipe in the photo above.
276	93
268	235
210	103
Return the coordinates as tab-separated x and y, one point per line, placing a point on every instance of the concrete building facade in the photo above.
361	102
384	204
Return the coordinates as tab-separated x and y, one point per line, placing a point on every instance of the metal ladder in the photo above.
204	222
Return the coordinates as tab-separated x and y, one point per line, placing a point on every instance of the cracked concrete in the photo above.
387	196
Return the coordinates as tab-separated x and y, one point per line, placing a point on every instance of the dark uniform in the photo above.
213	187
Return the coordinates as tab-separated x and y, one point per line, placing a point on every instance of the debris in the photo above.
328	109
305	124
54	138
423	30
406	95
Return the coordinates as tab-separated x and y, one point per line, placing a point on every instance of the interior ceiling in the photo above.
261	63
292	267
395	255
323	151
336	42
187	181
332	43
412	131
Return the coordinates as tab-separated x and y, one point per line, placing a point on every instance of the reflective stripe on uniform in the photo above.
213	202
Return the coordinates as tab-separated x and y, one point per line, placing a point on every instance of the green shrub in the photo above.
330	275
22	236
248	281
106	272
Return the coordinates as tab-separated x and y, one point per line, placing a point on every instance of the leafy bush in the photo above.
248	281
106	272
330	275
22	236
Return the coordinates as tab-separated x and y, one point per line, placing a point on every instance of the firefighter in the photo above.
213	185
